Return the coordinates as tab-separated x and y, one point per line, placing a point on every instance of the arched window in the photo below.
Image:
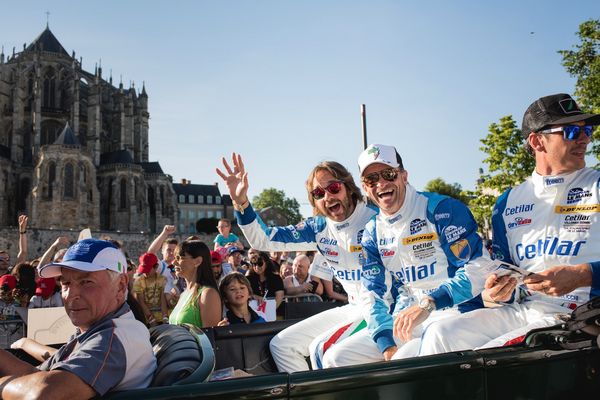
49	97
182	198
209	199
51	178
50	131
191	198
200	199
123	202
218	199
68	181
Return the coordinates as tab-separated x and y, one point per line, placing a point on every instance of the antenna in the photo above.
363	120
47	19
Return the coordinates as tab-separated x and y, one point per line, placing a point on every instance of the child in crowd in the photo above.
148	290
225	238
25	290
236	292
46	294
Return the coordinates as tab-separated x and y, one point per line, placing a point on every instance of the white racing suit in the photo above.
430	247
339	244
544	222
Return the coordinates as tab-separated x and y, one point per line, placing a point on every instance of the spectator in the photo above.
236	292
110	350
286	270
199	304
25	275
8	284
167	248
217	266
52	253
22	255
46	294
148	290
234	259
263	280
225	238
301	282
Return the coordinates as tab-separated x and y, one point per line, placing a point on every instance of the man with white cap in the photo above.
110	350
422	255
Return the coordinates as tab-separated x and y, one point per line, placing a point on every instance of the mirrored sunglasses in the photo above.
389	174
572	132
334	188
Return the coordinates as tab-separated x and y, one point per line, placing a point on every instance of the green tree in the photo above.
508	164
272	197
583	63
438	185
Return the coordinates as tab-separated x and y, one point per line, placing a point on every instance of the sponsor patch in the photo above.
342	226
395	219
355	249
359	235
577	222
330	252
386	253
416	225
518	209
423	237
423	250
441	216
553	181
453	233
519	222
587	208
461	249
325	240
569	106
575	195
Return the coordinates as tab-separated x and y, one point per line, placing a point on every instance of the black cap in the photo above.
556	109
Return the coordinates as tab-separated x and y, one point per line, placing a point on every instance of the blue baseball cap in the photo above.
88	255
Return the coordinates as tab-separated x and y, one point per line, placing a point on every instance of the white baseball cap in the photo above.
378	154
88	255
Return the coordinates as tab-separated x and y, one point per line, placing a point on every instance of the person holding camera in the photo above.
300	282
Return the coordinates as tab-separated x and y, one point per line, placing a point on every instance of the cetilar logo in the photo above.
550	246
519	222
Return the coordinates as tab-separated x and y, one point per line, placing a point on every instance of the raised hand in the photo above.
236	178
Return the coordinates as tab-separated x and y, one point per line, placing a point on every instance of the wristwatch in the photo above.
427	304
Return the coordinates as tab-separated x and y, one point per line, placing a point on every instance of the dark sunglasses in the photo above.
258	263
572	132
334	188
389	174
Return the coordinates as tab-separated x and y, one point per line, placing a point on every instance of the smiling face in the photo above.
388	196
90	296
338	206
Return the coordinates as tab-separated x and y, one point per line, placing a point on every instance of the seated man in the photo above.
110	350
300	282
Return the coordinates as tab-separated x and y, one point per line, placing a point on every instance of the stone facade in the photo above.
74	148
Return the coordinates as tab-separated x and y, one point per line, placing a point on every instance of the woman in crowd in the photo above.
200	303
236	292
25	275
264	280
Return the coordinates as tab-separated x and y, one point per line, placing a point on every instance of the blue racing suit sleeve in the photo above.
376	284
468	264
279	238
499	241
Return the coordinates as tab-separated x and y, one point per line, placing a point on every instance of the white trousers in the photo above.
290	347
488	327
361	349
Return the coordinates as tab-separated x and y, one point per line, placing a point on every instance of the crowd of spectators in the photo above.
173	282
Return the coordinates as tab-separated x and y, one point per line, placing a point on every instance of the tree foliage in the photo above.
508	164
272	197
583	63
438	185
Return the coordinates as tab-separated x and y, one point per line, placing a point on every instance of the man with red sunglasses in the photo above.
423	257
336	231
548	225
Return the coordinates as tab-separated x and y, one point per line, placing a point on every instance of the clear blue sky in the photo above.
281	82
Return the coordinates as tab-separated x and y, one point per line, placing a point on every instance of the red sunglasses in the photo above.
334	188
